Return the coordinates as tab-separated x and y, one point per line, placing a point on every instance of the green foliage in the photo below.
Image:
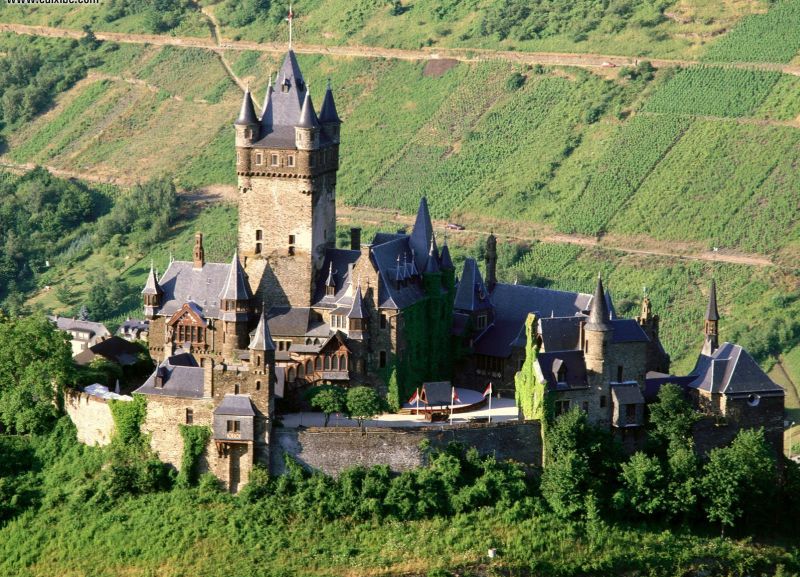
393	391
329	400
643	485
738	481
35	366
770	37
195	440
713	91
671	416
363	403
128	418
515	82
531	395
156	16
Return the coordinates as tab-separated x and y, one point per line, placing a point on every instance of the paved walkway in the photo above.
502	410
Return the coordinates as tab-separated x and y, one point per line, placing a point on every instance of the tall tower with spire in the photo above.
710	325
598	334
286	162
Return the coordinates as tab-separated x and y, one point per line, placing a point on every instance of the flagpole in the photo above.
418	401
290	18
491	392
452	400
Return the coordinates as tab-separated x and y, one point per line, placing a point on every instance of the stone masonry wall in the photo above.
91	416
333	449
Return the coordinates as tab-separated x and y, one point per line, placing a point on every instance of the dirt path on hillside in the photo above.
217	43
380	216
94	75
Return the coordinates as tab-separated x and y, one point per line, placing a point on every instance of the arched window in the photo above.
292	374
327	362
318	363
301	371
316	341
343	362
335	360
308	341
309	367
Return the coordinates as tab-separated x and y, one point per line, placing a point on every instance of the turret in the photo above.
330	282
598	331
199	254
491	262
247	123
262	347
433	274
357	317
306	131
329	117
235	307
448	270
266	111
152	294
710	326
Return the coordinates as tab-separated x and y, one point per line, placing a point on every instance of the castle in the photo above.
291	311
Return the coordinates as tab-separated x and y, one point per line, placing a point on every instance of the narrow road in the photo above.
460	54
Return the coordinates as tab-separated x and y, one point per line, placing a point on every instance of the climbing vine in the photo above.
195	439
128	419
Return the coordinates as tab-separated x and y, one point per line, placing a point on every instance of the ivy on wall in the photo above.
195	439
128	418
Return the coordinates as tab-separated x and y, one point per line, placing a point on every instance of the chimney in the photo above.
199	253
355	239
208	377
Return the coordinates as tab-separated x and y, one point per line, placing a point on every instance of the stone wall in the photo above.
92	417
333	449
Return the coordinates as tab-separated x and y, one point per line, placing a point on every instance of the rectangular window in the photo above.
383	321
481	322
291	239
382	359
630	414
258	234
290	160
311	161
619	374
562	407
259	158
258	248
585	406
233	426
189	416
602	401
274	160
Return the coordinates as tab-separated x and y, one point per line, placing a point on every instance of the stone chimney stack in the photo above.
199	253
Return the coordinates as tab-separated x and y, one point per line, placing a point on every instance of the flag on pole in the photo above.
291	14
488	390
289	20
414	398
455	397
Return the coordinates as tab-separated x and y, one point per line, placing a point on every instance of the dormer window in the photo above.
330	290
561	375
234	426
285	86
481	321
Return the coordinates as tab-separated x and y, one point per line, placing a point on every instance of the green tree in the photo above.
330	400
671	416
363	403
643	486
739	480
35	365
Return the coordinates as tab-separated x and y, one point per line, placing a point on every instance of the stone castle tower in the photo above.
598	336
286	162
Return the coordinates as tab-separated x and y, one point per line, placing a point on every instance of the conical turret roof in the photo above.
328	113
421	234
151	287
262	339
432	266
357	310
308	118
598	316
266	108
447	262
236	287
712	314
247	113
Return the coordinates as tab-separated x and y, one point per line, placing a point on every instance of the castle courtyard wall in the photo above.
91	416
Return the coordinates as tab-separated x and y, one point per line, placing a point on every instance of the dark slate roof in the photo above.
711	310
151	287
182	283
115	349
460	321
432	266
628	331
261	339
288	322
235	405
357	309
447	262
471	294
391	294
560	333
599	316
627	394
70	324
308	118
335	267
266	108
247	113
422	234
731	371
654	381
284	108
612	312
575	374
179	381
437	393
133	325
512	304
382	237
328	113
236	286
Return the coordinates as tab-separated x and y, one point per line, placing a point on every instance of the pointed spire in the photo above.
711	310
152	287
262	339
330	281
398	274
421	234
447	262
308	118
236	286
266	108
414	271
598	316
328	113
357	310
432	266
247	114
